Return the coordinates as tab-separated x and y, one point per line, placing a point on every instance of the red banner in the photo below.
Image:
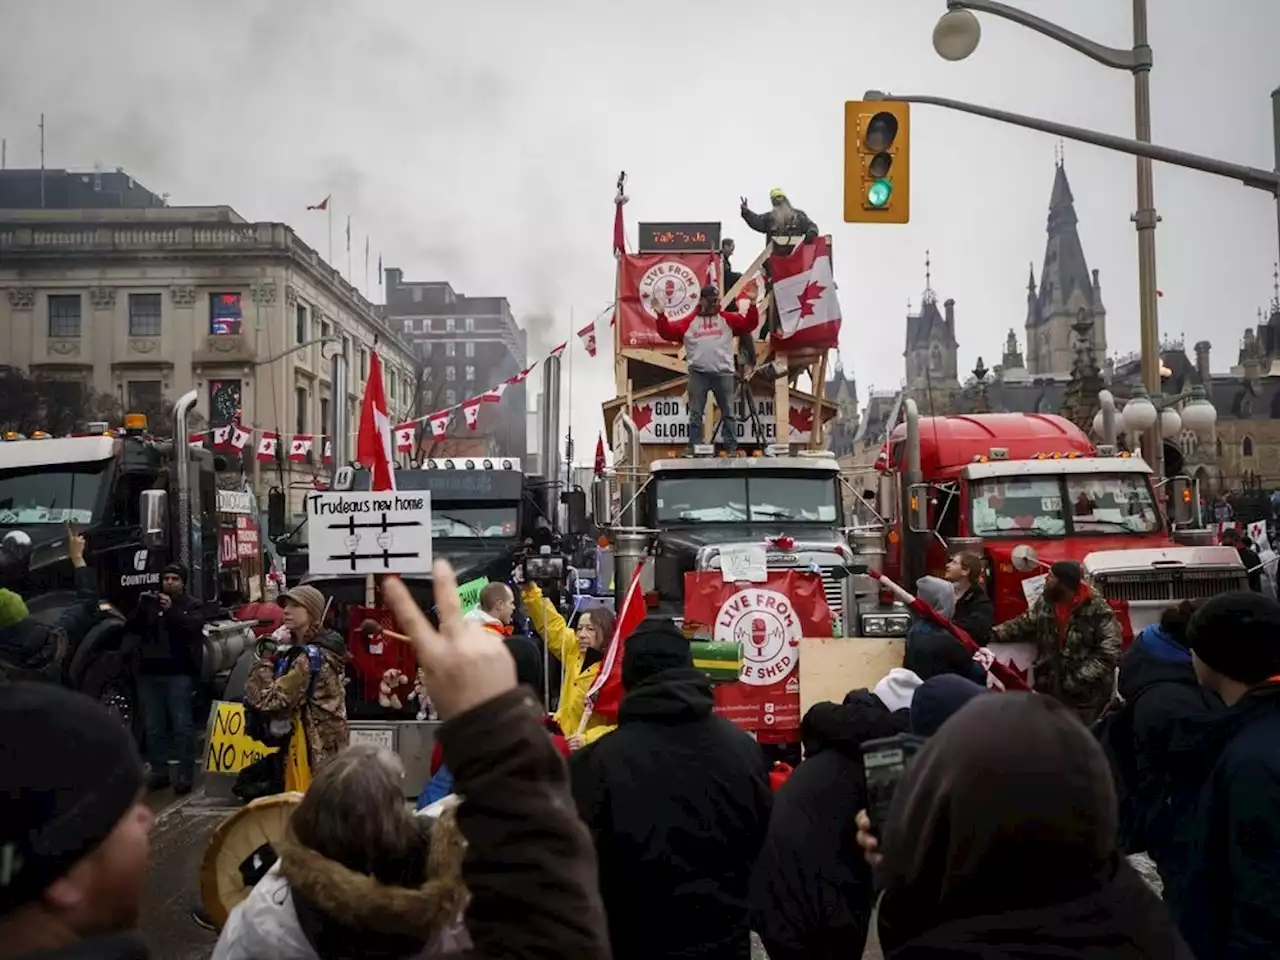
674	278
768	620
369	661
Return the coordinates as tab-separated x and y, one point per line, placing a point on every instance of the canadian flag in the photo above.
300	449
520	377
196	440
240	437
588	337
471	411
373	442
328	451
439	423
805	292
494	395
557	350
406	433
599	465
268	446
220	436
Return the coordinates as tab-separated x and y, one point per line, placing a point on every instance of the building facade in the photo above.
464	346
146	303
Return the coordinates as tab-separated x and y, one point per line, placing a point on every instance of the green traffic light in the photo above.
879	192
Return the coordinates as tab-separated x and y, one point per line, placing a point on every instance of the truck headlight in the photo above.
886	625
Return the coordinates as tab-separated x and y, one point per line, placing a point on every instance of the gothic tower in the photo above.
1066	286
931	349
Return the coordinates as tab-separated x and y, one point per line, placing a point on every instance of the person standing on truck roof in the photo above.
787	228
496	608
708	338
974	611
171	629
1077	641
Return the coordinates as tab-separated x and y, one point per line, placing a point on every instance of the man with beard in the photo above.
1077	641
787	227
708	338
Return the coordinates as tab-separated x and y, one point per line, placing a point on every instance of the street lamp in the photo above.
956	36
1141	413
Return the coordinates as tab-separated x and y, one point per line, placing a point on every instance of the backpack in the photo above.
258	724
1115	734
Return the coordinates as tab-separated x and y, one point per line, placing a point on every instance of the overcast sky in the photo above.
479	142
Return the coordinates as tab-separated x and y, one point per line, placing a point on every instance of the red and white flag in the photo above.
600	462
373	441
606	693
557	350
268	446
196	440
588	337
328	450
240	438
322	205
221	436
494	395
520	377
471	412
406	434
300	448
439	423
805	292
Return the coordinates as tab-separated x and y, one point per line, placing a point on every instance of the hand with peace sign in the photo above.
464	664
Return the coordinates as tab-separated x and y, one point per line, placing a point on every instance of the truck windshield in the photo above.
448	520
1055	506
716	498
53	494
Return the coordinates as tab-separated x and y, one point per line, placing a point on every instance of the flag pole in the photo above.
328	207
568	452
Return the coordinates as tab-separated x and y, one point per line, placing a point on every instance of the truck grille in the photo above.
831	587
1169	585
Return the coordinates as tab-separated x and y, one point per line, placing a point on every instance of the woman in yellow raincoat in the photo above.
579	654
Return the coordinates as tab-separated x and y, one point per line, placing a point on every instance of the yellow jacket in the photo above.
562	643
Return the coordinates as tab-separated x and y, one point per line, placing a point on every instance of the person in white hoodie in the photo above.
496	608
358	875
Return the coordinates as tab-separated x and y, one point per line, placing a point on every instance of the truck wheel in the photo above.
108	681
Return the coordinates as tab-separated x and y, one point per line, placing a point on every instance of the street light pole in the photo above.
1275	134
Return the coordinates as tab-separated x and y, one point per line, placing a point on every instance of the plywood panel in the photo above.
832	666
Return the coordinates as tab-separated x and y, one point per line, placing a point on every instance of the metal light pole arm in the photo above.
1249	176
294	349
1133	60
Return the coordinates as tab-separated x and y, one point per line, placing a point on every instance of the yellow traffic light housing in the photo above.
877	161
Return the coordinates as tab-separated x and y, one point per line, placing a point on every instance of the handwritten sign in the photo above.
469	593
358	533
230	748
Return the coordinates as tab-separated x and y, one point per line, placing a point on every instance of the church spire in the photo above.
929	296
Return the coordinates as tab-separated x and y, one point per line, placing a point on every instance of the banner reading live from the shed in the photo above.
674	278
767	619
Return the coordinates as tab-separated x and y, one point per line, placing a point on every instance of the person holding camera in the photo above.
171	629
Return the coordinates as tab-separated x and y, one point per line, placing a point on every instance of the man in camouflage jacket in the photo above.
1077	641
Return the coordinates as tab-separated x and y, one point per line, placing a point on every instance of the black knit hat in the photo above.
656	645
177	569
69	772
1067	573
1238	635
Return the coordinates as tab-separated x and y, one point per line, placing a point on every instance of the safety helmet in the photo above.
777	193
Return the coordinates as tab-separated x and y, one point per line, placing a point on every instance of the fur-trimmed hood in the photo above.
306	901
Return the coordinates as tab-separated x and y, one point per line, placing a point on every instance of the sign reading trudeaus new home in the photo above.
352	534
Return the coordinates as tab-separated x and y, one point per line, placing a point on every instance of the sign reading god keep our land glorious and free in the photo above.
357	533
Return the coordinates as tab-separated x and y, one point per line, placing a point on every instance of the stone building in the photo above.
842	390
146	302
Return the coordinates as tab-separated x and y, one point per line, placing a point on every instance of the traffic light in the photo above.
877	161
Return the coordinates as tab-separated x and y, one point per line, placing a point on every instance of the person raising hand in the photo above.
530	865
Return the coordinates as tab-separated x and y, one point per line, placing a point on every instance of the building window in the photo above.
450	349
470	373
450	398
448	325
64	315
391	385
424	348
408	326
1246	447
469	324
144	396
451	374
300	324
144	314
225	315
324	329
301	400
224	402
364	364
469	348
325	423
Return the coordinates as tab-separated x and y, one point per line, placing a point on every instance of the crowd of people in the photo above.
657	832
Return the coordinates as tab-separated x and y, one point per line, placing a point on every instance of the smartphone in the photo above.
885	761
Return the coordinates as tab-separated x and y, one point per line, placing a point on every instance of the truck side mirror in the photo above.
918	507
1180	500
153	508
575	505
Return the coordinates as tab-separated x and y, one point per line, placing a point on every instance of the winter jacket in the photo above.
811	890
308	907
975	614
32	650
799	229
578	673
1222	869
323	708
1159	688
1076	664
931	651
708	338
489	622
112	946
678	801
172	641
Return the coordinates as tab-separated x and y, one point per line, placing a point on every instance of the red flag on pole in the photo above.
322	205
599	464
606	693
373	442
